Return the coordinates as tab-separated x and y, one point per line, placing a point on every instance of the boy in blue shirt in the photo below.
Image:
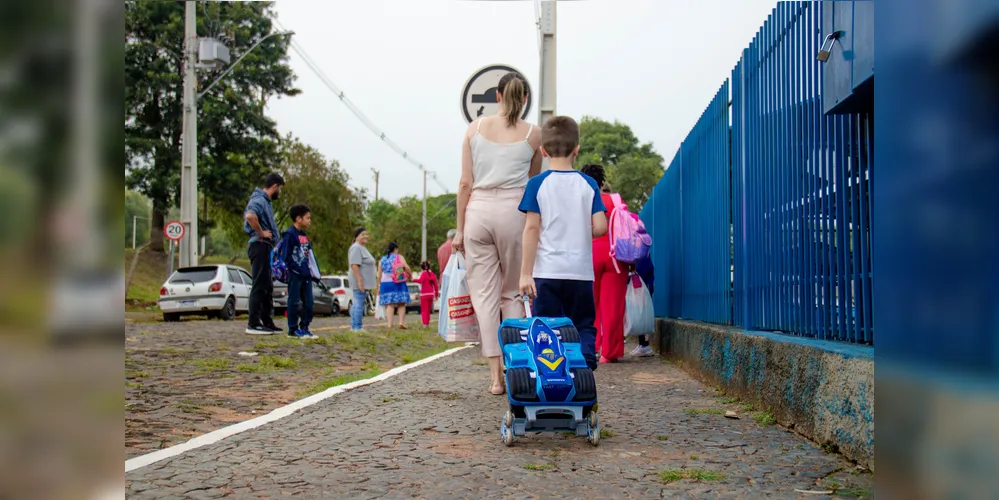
298	257
564	214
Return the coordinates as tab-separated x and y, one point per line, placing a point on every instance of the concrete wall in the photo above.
823	390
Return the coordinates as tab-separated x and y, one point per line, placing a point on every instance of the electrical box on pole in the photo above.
212	53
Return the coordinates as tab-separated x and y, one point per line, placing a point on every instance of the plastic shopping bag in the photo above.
442	310
458	322
639	318
379	308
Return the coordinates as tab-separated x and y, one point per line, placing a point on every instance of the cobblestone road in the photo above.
432	432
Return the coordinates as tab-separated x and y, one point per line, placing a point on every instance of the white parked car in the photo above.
218	291
339	287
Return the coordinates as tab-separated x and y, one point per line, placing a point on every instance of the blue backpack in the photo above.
279	269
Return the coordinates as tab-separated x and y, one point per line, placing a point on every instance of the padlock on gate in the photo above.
827	44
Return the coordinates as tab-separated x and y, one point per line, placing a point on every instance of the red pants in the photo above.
609	289
426	307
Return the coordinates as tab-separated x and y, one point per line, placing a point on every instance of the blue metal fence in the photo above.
766	225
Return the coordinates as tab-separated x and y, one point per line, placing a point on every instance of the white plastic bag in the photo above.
442	310
639	318
457	317
379	308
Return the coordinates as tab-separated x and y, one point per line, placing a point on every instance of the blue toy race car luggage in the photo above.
549	386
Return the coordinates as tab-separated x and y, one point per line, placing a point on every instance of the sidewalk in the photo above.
433	432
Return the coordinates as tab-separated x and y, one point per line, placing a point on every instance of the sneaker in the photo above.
306	334
273	328
642	351
259	330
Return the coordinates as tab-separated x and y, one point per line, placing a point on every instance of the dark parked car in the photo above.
324	303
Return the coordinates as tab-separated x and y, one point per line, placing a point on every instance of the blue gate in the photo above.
766	225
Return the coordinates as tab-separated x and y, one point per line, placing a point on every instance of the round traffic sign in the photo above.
478	97
174	230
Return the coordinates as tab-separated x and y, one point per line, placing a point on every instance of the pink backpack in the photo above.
629	243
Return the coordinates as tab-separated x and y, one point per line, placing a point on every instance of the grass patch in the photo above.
693	457
211	364
173	351
389	400
539	467
423	354
607	433
764	418
189	407
268	363
277	362
137	375
319	341
133	385
345	378
730	400
860	493
662	437
703	411
747	407
673	475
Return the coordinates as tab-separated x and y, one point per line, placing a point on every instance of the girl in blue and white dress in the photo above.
392	295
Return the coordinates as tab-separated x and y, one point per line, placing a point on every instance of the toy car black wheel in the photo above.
520	384
585	384
569	334
510	335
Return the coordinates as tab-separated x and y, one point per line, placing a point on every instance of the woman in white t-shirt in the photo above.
499	154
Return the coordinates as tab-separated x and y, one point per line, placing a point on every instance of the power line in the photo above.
357	112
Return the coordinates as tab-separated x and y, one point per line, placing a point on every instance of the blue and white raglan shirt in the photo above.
566	200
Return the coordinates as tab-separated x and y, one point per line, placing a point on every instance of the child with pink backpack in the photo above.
624	244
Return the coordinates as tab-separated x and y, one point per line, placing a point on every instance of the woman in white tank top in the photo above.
499	154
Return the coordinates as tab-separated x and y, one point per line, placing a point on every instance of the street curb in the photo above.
277	414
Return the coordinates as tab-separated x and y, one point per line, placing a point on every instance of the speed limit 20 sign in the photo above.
174	230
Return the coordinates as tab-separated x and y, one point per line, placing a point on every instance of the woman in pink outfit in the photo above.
499	153
429	291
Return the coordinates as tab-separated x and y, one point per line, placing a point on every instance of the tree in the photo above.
136	205
402	223
237	144
633	169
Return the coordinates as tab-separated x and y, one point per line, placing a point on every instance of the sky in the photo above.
651	64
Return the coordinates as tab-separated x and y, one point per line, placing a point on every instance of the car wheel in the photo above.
335	308
228	310
171	317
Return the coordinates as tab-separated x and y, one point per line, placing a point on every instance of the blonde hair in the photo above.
513	91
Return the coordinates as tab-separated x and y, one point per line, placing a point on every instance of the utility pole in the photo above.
423	255
376	182
189	153
546	97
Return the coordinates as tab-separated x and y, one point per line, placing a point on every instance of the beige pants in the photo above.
494	230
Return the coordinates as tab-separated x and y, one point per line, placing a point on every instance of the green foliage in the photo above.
673	475
137	205
633	169
401	222
237	144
